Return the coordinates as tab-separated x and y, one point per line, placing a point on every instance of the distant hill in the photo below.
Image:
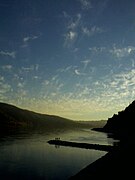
13	117
93	124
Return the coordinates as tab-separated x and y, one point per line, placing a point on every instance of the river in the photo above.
29	156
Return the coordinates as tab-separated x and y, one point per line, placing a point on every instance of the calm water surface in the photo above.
24	156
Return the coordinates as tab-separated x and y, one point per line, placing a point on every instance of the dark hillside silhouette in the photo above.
14	117
122	124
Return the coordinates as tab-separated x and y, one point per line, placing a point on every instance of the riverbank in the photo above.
115	164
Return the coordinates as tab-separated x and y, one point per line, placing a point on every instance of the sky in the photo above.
71	58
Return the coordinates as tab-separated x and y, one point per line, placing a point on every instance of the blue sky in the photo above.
72	58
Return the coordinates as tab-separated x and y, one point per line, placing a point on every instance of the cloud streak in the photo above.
122	52
85	4
92	31
70	38
29	38
11	54
5	88
75	27
72	26
86	63
114	51
7	67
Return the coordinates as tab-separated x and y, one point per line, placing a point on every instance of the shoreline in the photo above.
117	163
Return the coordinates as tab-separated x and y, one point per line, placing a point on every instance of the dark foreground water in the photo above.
29	156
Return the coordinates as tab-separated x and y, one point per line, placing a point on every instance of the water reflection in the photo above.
29	156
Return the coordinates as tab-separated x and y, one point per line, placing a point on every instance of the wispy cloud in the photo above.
52	86
66	69
122	52
97	49
114	88
20	85
74	22
115	51
86	4
1	78
78	73
70	38
132	63
7	67
4	88
30	68
8	53
86	63
72	26
46	83
75	27
29	38
92	31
